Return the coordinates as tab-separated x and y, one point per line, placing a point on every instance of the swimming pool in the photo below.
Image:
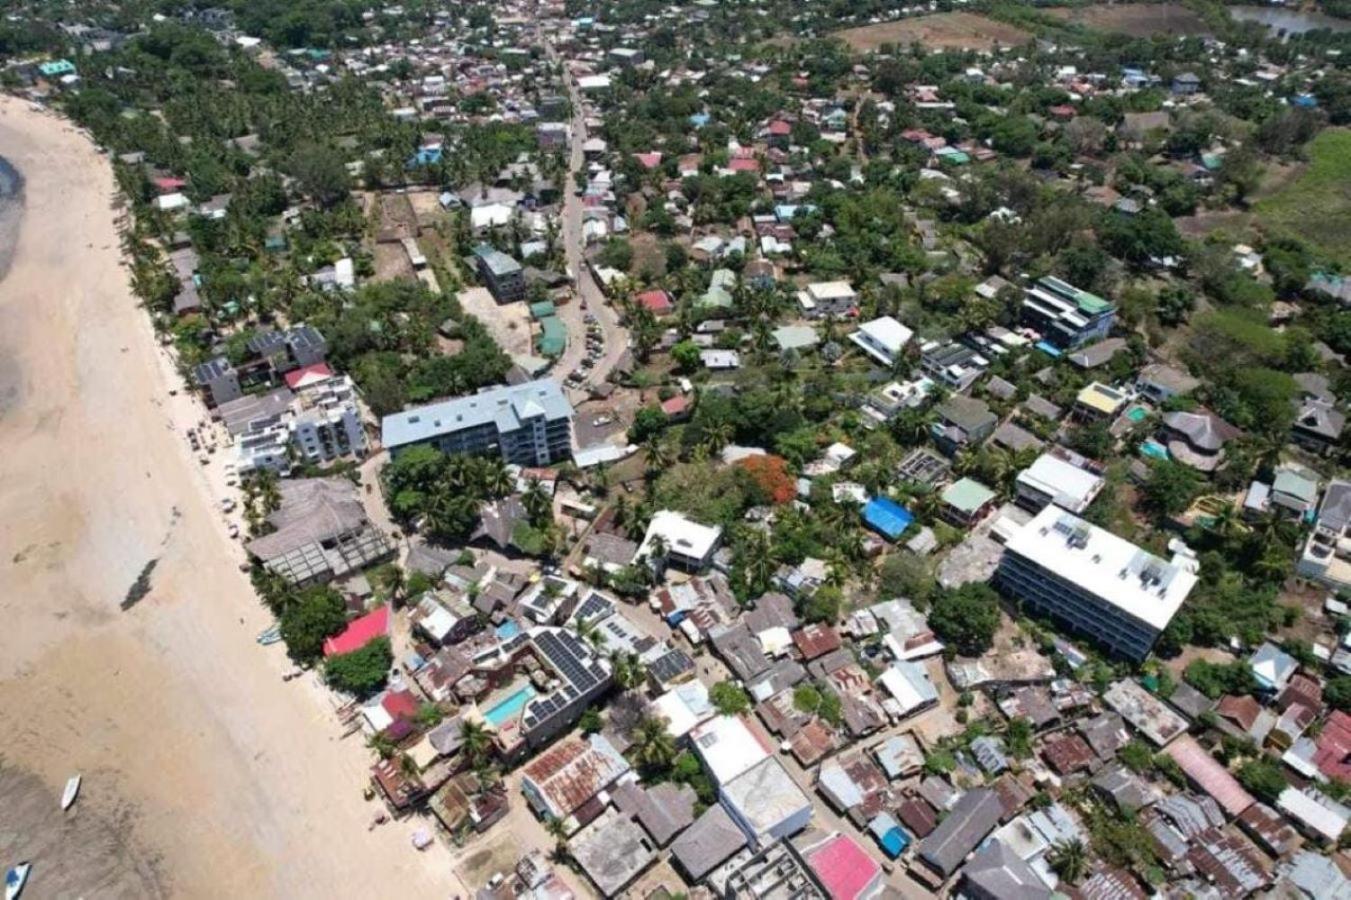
510	706
508	629
1153	449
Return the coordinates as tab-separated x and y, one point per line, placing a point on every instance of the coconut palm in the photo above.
559	832
658	454
537	503
475	741
653	747
1069	859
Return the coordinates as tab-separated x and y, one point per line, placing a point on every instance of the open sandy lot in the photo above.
1135	19
509	323
205	775
951	30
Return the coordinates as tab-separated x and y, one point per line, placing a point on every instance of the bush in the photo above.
966	618
729	699
316	614
361	672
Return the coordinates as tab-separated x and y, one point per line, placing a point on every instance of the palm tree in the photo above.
588	631
658	454
1069	859
536	502
717	436
653	747
392	580
559	832
497	480
475	741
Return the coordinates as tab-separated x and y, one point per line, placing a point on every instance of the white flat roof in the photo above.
684	707
682	535
1134	580
765	796
728	747
1068	485
830	290
888	333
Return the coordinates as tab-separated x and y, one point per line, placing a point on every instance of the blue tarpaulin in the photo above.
887	517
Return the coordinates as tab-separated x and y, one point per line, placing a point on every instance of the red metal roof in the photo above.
1209	775
1334	745
648	160
676	405
400	704
843	867
359	632
307	374
816	640
657	301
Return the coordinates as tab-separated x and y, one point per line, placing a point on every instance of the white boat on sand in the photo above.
15	879
71	792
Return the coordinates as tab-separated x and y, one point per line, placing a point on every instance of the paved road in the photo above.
590	297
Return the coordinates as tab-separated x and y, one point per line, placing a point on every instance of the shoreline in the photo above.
211	776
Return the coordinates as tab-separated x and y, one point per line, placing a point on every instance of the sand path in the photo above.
205	774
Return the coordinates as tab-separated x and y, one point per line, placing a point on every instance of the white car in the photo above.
227	505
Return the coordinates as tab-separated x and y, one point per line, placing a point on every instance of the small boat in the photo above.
15	879
270	636
71	792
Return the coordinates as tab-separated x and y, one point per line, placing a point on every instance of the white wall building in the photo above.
883	339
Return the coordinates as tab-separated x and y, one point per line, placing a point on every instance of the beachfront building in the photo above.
320	532
1065	316
528	424
1095	583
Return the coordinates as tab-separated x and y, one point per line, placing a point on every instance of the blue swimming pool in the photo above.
509	707
1153	449
508	630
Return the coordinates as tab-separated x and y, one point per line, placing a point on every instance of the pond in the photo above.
1289	21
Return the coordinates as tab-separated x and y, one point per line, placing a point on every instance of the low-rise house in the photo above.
673	539
828	298
504	276
883	339
1318	425
1197	439
1327	554
962	422
766	803
1098	402
1160	383
973	817
1052	478
568	775
952	364
712	840
1314	813
612	851
664	810
843	868
967	501
1207	774
1145	712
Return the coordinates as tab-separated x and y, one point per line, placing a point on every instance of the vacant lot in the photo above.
953	30
1316	207
1135	19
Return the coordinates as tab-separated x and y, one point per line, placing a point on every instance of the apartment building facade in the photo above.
1065	316
528	424
1095	583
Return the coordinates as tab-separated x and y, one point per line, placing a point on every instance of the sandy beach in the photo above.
204	774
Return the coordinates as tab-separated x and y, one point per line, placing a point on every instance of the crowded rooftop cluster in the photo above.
766	451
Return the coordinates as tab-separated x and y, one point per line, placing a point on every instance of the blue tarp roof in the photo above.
887	517
889	835
1047	348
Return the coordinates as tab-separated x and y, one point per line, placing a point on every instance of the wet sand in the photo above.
205	774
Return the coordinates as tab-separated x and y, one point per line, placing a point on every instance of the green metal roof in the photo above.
967	495
553	336
542	309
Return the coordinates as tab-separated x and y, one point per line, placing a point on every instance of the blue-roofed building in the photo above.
528	424
887	517
699	120
889	835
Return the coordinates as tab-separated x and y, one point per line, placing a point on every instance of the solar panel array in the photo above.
595	606
581	672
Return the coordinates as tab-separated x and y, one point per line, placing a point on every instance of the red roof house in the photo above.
168	184
1334	747
307	375
780	128
744	164
359	632
1208	775
648	161
816	640
844	868
658	302
676	407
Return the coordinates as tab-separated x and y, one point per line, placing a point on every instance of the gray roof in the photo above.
664	810
1189	701
975	815
1165	376
1202	429
740	649
321	530
1317	877
207	372
1335	513
1321	418
1039	405
966	413
504	406
1094	355
1015	438
707	843
497	262
238	414
612	853
999	872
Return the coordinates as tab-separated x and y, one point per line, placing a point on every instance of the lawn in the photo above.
1135	19
944	31
1316	208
